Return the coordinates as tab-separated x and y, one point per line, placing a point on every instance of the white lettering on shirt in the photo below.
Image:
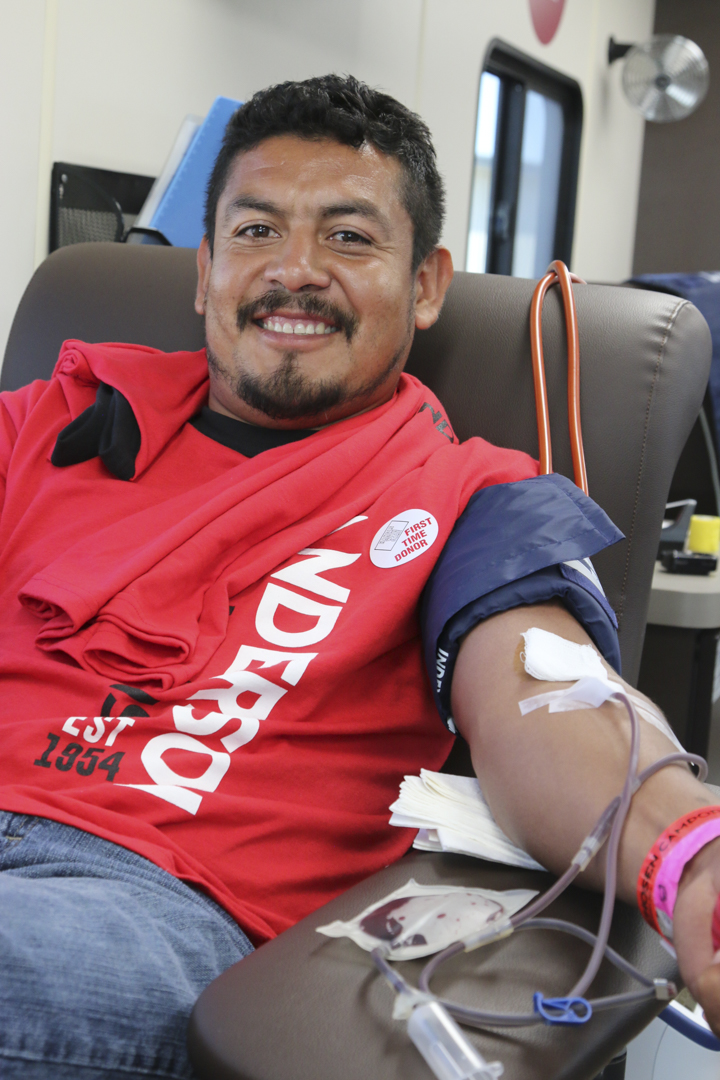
95	733
276	596
123	722
170	785
175	788
305	574
243	681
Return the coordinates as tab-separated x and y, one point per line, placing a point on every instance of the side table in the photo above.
678	666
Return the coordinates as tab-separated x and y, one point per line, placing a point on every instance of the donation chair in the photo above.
304	1007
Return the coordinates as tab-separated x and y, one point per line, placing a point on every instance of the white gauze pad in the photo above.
555	659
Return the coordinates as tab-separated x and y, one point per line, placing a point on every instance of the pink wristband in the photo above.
668	876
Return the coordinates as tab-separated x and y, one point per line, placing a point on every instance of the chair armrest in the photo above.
306	1007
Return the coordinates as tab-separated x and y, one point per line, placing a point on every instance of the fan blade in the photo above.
666	78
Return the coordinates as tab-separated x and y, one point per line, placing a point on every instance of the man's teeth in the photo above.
280	327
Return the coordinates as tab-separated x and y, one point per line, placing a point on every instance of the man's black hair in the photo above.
345	109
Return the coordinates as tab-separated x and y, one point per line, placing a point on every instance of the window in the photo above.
527	149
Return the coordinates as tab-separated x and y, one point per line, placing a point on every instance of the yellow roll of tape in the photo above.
704	534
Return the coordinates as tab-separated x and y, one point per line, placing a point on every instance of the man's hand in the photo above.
697	897
549	776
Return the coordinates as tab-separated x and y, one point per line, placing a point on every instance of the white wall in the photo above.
122	90
107	83
22	35
455	36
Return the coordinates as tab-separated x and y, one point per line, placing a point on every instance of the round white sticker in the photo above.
403	538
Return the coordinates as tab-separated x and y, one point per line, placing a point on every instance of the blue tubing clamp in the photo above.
562	1010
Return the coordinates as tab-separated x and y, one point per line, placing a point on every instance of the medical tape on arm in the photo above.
587	693
551	658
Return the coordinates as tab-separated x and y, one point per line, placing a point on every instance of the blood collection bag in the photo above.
419	920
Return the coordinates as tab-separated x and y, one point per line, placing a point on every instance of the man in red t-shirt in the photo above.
181	532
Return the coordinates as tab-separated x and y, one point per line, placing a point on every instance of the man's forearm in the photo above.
548	776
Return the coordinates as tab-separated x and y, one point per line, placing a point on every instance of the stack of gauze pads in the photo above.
451	814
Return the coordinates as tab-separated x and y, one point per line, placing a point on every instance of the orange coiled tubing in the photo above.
558	272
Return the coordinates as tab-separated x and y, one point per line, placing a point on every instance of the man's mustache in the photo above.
314	306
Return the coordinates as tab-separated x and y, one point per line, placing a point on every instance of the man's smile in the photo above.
278	315
292	325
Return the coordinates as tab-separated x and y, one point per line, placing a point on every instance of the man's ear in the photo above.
204	265
431	283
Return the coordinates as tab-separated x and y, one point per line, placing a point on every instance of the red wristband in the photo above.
664	844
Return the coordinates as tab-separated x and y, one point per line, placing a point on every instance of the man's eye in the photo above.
258	232
349	236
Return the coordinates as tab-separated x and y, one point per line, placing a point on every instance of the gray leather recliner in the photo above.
304	1007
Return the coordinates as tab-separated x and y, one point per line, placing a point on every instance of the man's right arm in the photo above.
548	777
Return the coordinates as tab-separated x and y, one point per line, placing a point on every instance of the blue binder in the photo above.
179	217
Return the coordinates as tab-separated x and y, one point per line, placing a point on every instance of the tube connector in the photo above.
408	1000
486	936
664	989
444	1047
587	852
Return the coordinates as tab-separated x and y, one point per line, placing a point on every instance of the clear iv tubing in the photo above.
611	822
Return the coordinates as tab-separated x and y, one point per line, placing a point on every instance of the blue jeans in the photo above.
102	957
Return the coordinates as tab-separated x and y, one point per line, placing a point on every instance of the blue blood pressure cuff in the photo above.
520	543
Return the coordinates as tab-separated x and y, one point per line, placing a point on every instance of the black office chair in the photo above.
305	1008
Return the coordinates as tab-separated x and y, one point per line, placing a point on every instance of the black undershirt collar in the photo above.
109	430
246	439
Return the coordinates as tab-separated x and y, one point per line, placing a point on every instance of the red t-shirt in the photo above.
217	664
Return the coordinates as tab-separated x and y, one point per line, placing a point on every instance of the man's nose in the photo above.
298	263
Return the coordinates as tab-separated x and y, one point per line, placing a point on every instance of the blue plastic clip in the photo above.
569	1010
